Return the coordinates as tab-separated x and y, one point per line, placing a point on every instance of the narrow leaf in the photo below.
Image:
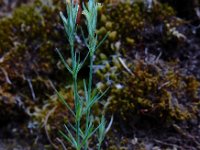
84	38
71	136
63	61
85	90
74	129
82	63
64	102
66	137
95	99
101	42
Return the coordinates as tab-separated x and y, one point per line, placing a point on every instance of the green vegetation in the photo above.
149	91
25	51
78	135
129	23
151	84
28	61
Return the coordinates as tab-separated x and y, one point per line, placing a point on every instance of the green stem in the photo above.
89	96
77	122
99	146
90	76
72	54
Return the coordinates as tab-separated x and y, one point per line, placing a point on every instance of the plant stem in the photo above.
77	122
99	146
89	95
76	137
89	87
90	76
72	54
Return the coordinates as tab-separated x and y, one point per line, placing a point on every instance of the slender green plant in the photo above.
79	133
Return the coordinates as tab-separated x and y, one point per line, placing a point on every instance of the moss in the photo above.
185	9
112	36
130	41
54	114
192	85
51	117
150	92
132	21
28	39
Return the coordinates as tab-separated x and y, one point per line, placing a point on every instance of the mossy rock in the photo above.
28	60
134	29
129	24
151	93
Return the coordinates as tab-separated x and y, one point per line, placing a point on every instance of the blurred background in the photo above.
150	61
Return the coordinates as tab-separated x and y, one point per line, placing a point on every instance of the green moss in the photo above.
53	115
112	36
129	20
28	39
150	91
130	41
